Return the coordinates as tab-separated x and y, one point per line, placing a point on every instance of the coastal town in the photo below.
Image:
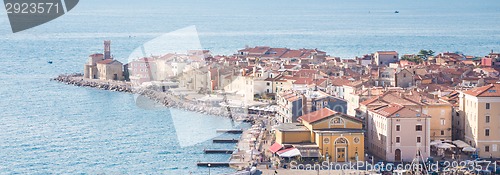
307	106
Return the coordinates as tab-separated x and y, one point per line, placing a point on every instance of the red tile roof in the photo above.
292	54
389	110
387	52
303	80
317	115
369	101
96	55
491	90
395	110
106	61
340	81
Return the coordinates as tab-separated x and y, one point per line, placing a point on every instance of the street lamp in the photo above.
328	161
209	169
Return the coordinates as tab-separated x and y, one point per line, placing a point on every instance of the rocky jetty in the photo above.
168	98
78	80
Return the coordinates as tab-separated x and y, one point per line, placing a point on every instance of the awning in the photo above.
445	146
461	144
468	149
308	153
435	142
275	147
289	152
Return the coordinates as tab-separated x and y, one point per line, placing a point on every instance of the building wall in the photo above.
475	124
382	135
352	100
288	111
336	91
441	121
282	86
290	137
163	70
408	135
404	79
108	71
90	69
327	145
337	105
458	126
327	124
326	140
382	59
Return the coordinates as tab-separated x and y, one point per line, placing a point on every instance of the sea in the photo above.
48	127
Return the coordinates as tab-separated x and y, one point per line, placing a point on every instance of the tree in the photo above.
431	53
415	59
424	54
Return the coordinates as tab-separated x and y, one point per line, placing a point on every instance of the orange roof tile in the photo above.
317	115
491	90
387	52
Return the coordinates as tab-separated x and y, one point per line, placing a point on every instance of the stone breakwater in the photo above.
168	98
78	80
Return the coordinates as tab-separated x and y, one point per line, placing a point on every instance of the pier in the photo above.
225	140
218	151
232	131
213	164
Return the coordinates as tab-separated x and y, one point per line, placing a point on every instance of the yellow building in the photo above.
336	136
480	108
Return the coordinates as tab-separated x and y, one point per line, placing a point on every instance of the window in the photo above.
487	132
486	148
419	139
487	119
398	127
418	128
268	83
443	121
487	105
398	139
442	132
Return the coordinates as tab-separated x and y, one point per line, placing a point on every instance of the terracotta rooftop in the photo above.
340	81
387	52
398	111
491	90
292	54
317	115
106	61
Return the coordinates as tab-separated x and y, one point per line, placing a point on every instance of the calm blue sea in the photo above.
51	128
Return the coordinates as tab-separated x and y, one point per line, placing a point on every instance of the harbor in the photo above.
248	148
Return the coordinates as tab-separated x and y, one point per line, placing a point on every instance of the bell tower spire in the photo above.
107	49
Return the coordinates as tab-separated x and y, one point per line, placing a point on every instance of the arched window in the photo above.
336	121
341	140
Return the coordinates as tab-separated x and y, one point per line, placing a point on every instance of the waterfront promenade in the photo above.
251	145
